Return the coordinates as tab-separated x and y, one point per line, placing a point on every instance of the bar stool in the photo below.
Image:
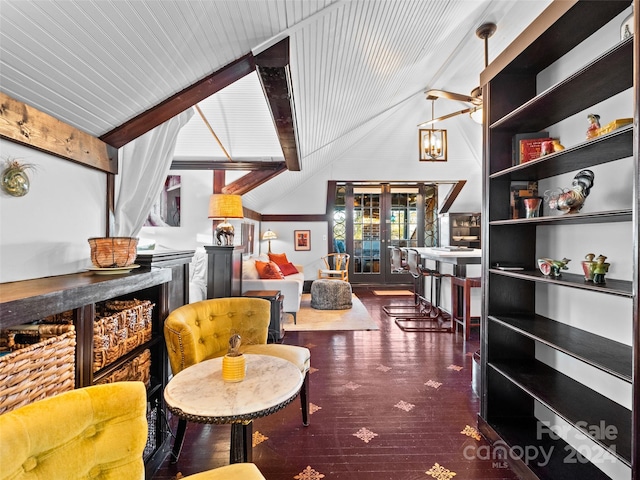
463	318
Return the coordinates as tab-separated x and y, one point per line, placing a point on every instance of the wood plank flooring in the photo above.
387	405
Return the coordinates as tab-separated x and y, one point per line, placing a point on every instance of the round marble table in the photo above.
198	394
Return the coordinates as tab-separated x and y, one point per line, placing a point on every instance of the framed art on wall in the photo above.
302	239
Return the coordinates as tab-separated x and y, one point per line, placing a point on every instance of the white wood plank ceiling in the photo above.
96	64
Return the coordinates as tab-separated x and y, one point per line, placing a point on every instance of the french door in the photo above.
370	219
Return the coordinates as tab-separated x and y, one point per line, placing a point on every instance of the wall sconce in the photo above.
432	145
269	235
223	207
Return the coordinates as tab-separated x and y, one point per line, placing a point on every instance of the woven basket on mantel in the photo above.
113	252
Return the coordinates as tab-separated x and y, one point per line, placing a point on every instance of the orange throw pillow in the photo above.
288	269
279	258
269	270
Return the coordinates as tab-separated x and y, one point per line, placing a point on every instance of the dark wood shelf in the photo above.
559	393
621	288
30	300
604	149
607	75
524	433
613	357
609	216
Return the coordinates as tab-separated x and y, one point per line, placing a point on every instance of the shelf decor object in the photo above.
222	207
560	355
571	200
113	252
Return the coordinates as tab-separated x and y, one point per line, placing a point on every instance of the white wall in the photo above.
45	232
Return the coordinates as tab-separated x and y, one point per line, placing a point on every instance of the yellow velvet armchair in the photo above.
95	432
201	330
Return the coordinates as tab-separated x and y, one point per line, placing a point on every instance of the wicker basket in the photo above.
40	370
119	327
136	369
113	252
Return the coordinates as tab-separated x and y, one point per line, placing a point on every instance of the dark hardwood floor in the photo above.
386	404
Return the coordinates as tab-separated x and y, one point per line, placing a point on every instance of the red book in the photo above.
531	148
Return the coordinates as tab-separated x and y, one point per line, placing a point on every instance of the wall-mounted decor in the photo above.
302	239
166	211
14	179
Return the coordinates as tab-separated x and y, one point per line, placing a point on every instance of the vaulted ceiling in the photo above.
98	64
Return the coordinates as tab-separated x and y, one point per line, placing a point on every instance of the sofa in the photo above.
290	286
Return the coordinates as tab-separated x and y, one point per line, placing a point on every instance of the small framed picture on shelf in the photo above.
302	239
527	146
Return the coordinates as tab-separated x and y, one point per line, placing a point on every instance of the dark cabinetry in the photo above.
224	271
520	386
276	330
32	300
460	230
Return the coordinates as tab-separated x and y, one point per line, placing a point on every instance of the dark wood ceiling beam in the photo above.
179	102
272	67
453	194
252	180
217	165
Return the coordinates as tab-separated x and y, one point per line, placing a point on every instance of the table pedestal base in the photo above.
241	442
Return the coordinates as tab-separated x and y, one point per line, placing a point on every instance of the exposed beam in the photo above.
218	165
21	123
179	102
453	194
272	66
252	180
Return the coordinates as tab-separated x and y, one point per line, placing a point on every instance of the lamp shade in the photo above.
223	206
269	235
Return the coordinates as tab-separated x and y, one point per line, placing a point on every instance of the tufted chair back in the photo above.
94	432
199	331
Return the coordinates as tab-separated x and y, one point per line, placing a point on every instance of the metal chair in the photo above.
337	267
426	315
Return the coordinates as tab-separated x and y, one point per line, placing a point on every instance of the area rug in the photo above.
394	293
308	319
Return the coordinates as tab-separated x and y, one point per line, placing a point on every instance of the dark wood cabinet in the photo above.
518	381
224	271
32	300
276	328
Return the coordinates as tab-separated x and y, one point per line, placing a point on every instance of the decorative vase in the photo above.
234	368
588	265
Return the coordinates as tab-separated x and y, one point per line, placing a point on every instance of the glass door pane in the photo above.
366	230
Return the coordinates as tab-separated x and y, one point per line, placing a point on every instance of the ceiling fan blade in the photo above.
434	94
444	117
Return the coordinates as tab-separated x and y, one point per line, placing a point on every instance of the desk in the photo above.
198	394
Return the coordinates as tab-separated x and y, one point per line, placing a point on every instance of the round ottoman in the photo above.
330	294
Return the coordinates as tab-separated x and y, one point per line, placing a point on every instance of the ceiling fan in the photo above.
475	98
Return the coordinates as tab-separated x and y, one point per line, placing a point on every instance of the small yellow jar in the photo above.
233	368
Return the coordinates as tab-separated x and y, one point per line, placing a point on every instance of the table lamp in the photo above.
222	207
269	235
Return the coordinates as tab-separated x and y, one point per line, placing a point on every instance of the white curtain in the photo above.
144	166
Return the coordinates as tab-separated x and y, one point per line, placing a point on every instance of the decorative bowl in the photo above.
470	238
457	239
113	252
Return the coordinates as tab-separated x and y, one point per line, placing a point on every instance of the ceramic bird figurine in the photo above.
549	266
571	200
